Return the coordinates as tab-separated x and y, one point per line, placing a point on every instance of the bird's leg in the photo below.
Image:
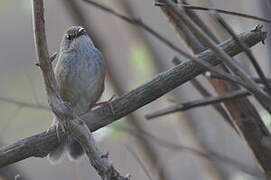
57	126
105	103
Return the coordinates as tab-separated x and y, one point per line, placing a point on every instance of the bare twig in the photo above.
242	112
68	119
51	58
223	11
245	48
9	172
181	148
260	95
217	76
129	148
228	12
165	144
23	104
204	92
41	144
198	103
147	148
138	22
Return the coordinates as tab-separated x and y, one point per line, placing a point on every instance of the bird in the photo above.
80	75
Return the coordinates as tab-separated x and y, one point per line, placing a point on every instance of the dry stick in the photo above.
138	22
198	103
261	96
198	20
9	172
153	157
242	111
211	168
246	50
41	144
147	148
133	153
165	144
198	47
210	156
236	108
68	120
161	38
260	131
204	92
216	76
254	132
228	12
193	7
23	104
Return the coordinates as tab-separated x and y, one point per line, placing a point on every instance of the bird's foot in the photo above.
106	103
56	126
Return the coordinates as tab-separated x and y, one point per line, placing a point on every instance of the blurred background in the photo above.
133	58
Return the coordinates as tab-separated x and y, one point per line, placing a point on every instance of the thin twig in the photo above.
24	104
51	58
41	144
260	95
181	148
138	22
204	92
217	76
228	12
242	112
130	149
193	7
197	47
245	49
150	152
69	121
198	103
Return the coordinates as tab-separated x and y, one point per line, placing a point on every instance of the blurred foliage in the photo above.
141	61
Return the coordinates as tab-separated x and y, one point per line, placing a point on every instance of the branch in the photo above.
23	104
260	95
41	144
198	103
223	11
211	155
245	49
78	16
141	24
133	153
69	121
205	93
245	118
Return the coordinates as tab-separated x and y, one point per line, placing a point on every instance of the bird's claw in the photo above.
57	127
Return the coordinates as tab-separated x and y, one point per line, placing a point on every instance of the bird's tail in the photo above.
56	155
72	147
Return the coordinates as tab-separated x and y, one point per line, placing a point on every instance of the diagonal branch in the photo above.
246	50
198	103
248	123
69	121
223	11
260	95
41	144
78	16
23	104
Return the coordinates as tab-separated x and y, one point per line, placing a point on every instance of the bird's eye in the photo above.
69	37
